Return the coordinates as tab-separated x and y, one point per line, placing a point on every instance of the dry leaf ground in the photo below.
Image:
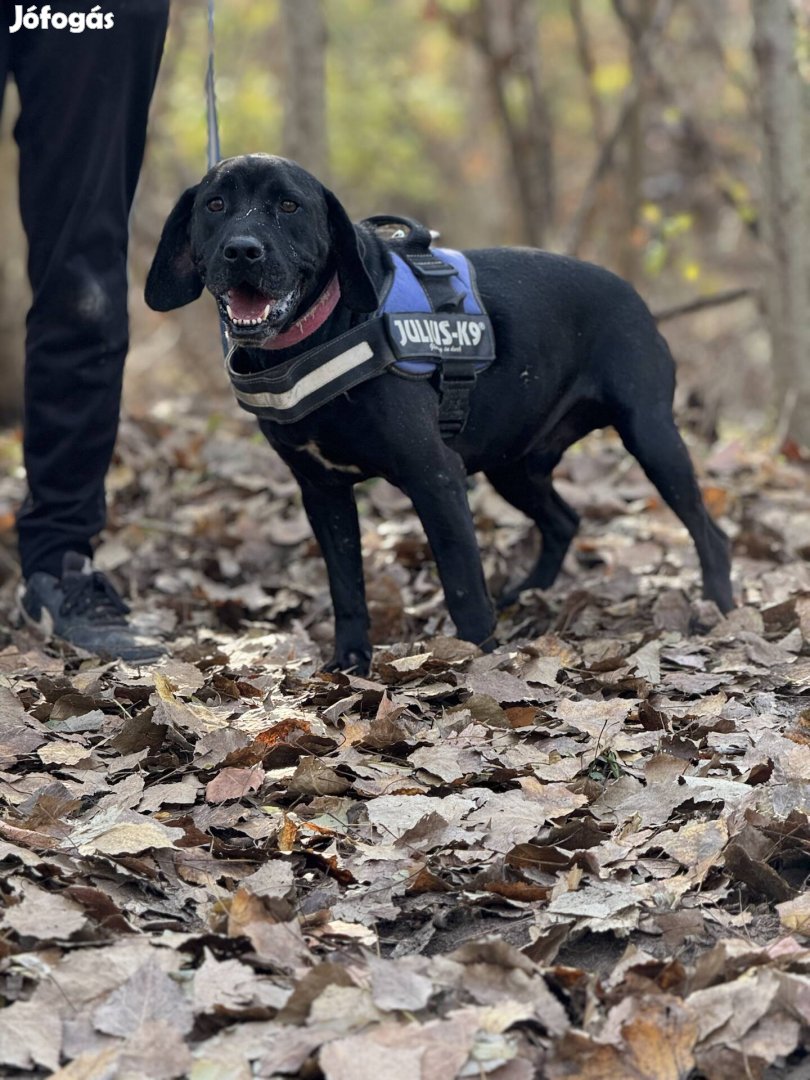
585	855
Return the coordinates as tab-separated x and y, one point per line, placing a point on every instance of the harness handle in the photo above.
214	153
407	233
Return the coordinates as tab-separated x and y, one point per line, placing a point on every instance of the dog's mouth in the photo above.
250	313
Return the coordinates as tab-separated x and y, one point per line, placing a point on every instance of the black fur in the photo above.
577	350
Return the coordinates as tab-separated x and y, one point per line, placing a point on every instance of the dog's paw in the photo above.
350	661
489	644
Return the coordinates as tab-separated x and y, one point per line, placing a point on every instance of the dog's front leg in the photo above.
439	496
333	515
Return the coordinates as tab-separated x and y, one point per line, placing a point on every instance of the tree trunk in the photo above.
635	19
588	65
304	133
512	33
506	34
786	211
606	157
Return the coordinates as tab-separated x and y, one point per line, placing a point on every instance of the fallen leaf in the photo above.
401	1052
155	1051
660	1039
394	987
44	915
230	783
315	777
63	753
795	914
148	995
29	1037
119	832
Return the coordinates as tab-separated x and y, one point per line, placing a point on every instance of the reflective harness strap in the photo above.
287	392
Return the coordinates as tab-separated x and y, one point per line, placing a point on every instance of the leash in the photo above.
214	149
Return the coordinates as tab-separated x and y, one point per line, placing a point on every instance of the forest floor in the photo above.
583	855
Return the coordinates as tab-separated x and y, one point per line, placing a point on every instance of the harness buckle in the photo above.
457	379
427	265
462	373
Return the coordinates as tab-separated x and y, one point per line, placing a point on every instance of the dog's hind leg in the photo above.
653	439
531	491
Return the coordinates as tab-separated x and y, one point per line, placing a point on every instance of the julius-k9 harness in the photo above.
430	325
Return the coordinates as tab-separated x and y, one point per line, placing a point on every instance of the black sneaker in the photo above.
85	610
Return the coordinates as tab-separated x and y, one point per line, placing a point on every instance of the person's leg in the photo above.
81	132
5	42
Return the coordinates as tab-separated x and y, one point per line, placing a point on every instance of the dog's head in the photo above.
264	237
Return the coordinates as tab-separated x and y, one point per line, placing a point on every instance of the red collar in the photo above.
310	321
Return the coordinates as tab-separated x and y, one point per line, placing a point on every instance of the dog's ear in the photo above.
356	287
173	278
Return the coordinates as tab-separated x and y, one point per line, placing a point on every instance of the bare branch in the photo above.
605	157
588	65
701	303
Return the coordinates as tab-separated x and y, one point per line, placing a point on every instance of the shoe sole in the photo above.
43	629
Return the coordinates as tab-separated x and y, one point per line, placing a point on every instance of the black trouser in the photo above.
81	132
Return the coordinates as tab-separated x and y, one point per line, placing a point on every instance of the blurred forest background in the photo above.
666	139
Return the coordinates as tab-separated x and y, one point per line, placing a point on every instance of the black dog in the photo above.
577	349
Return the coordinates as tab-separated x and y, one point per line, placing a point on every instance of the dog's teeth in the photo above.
245	322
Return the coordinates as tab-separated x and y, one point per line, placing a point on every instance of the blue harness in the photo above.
430	325
407	297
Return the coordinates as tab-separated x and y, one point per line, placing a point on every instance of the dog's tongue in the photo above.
248	303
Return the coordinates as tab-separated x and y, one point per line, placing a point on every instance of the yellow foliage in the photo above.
677	225
611	79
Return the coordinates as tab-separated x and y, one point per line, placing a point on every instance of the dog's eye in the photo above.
288	206
216	205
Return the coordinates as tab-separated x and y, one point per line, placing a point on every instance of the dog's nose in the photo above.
243	249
